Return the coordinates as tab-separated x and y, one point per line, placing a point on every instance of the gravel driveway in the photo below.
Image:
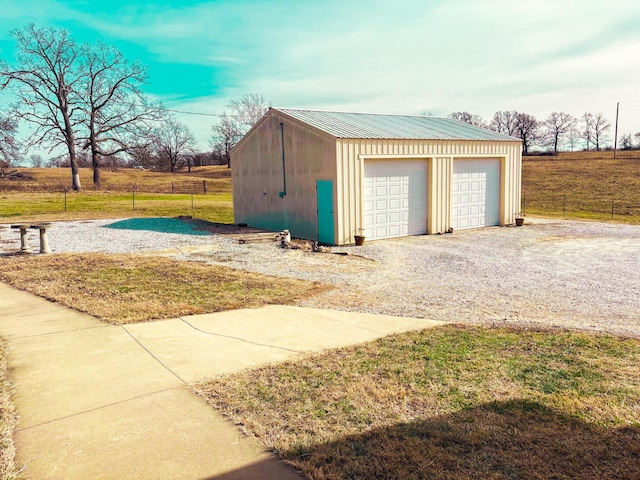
581	275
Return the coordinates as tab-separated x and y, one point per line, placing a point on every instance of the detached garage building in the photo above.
328	176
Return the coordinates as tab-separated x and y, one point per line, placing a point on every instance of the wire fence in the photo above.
577	206
183	187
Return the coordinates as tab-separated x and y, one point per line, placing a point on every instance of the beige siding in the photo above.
352	153
257	175
439	194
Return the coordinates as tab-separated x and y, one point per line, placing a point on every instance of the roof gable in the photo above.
401	127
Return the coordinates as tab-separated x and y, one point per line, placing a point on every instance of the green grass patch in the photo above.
451	402
134	288
91	205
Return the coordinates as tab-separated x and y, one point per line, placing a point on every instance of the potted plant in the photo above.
519	219
359	237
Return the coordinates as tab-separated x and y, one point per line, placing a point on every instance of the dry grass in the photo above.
122	179
583	185
132	288
450	403
8	420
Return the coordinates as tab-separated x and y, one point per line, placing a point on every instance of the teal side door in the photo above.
324	189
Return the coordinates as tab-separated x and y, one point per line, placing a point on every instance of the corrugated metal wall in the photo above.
352	153
257	176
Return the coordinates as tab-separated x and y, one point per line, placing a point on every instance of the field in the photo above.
584	185
125	193
123	179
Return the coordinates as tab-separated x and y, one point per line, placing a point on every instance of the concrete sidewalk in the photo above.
112	402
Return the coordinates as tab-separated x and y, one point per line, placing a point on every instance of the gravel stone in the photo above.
557	273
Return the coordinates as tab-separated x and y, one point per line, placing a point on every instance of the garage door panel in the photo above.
476	199
397	204
395	190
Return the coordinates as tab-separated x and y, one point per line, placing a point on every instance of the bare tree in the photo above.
626	142
426	113
504	122
9	149
44	80
469	118
36	160
587	129
600	128
527	128
248	109
174	141
556	126
117	114
573	135
226	133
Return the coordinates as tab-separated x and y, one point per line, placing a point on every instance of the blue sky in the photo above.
401	56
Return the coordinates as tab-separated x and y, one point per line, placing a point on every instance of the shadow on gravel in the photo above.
162	225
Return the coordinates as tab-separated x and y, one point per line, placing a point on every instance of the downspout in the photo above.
283	193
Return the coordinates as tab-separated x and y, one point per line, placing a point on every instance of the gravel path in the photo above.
581	275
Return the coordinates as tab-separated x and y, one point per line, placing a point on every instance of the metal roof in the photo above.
401	127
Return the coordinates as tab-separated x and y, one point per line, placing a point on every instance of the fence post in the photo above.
204	186
171	187
613	202
564	204
65	198
133	199
191	200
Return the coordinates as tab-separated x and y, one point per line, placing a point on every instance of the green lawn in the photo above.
449	403
91	205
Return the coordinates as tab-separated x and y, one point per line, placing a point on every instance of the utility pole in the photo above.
615	140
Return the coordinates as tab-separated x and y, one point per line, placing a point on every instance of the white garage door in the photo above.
395	198
476	193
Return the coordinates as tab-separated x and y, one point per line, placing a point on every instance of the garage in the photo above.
395	198
331	176
475	199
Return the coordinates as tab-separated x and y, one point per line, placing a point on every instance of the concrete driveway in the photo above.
102	402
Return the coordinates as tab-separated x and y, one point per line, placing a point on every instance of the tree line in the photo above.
558	131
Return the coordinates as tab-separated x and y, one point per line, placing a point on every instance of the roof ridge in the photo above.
357	113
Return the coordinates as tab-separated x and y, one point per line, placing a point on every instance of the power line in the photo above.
203	114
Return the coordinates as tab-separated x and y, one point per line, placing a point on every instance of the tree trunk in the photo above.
75	170
71	147
95	156
96	171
